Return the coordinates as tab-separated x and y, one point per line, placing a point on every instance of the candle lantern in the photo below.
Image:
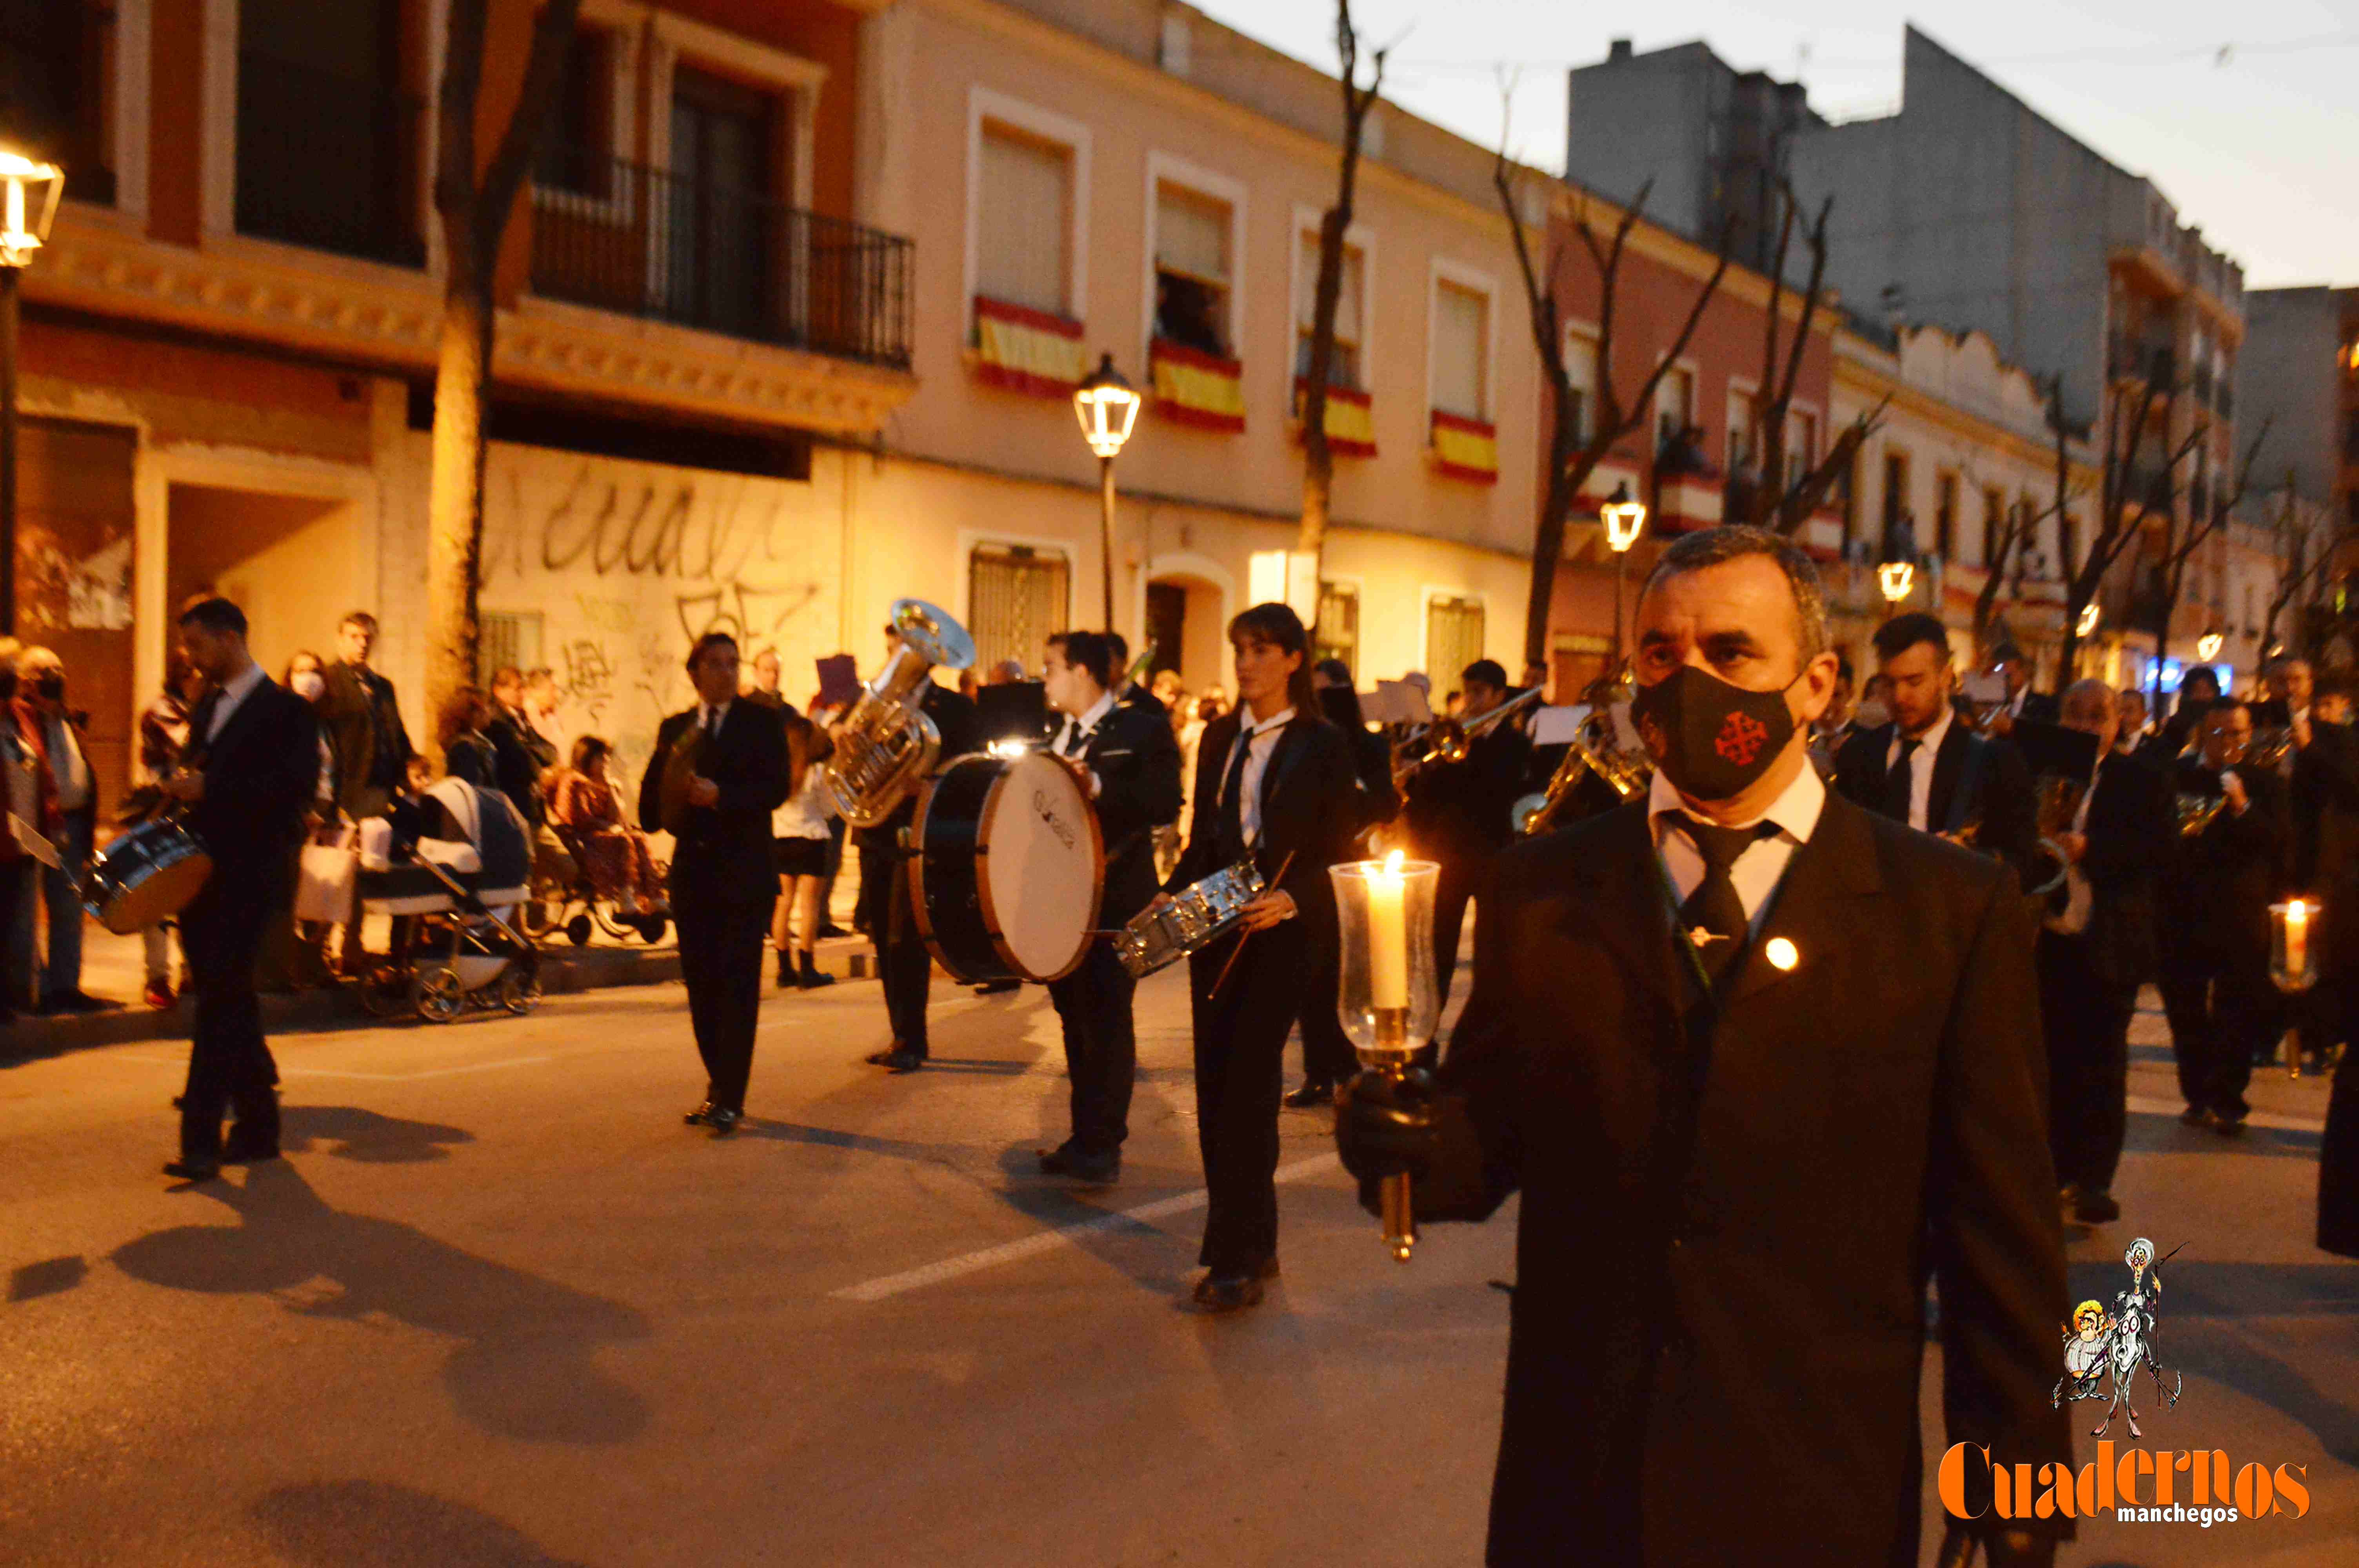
1387	1000
2293	956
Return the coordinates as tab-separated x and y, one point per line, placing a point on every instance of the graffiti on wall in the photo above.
629	563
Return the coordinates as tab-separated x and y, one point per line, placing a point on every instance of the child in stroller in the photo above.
459	883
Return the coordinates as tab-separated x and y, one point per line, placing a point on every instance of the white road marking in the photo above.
1050	1240
2143	1105
372	1077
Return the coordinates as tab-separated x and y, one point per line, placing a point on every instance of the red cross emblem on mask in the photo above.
1741	739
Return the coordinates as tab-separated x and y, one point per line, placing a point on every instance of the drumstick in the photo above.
1222	977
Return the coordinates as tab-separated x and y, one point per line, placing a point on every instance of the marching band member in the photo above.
1457	813
904	967
1926	768
1327	1056
1131	765
722	883
1275	780
1759	1062
2215	938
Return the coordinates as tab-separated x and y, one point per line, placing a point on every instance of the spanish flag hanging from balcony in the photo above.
1028	351
1193	387
1351	419
1465	449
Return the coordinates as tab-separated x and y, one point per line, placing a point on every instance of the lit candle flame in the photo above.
1393	864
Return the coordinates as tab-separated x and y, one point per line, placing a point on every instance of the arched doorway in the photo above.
1186	617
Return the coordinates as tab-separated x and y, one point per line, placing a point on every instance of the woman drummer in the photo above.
1274	782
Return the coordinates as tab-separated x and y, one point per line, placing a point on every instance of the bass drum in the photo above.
1006	867
147	874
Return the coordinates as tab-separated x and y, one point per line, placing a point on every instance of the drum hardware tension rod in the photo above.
1223	978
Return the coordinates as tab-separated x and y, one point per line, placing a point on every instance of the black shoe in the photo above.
1058	1161
188	1170
786	971
999	988
2227	1125
903	1061
1314	1093
78	1001
885	1058
810	978
248	1152
2194	1116
701	1117
830	928
1227	1293
2096	1208
724	1120
1095	1169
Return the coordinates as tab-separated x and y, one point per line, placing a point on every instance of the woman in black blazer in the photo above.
1274	781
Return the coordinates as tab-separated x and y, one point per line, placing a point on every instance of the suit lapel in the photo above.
1621	899
1291	743
240	718
1809	907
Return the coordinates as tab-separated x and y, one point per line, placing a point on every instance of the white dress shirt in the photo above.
1920	768
1077	732
69	769
712	716
1762	867
1260	740
234	692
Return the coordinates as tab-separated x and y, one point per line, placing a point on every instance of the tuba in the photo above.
1593	750
884	746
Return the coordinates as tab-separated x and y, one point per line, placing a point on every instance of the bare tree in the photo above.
2130	495
1574	452
475	200
2179	537
1773	498
2004	537
2305	568
1318	457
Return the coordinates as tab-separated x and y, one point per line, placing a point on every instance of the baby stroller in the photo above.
459	887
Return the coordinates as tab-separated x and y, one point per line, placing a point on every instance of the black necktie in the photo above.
1901	782
1230	836
1713	915
1069	743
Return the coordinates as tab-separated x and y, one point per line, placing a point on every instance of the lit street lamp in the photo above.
2090	614
2207	646
1896	578
1624	518
28	203
1107	408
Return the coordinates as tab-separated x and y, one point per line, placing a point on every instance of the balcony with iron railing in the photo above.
327	162
644	242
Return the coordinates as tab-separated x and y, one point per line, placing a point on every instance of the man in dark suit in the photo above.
250	768
904	967
1926	768
1132	762
1760	1062
2097	945
2022	702
2215	938
2326	870
1458	813
1130	693
722	881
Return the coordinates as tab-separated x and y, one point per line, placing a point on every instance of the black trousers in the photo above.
2088	1029
721	958
1327	1054
1240	1079
1100	1048
2220	1021
230	1066
902	964
1458	883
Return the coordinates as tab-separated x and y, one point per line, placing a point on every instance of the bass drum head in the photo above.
1043	868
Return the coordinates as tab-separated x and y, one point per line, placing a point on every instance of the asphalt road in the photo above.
499	1307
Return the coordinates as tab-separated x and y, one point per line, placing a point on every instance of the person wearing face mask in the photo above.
69	822
1130	766
1759	1061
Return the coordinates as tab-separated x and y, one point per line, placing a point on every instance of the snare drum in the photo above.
1197	914
149	874
1006	866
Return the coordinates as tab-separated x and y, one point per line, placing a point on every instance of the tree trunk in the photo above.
1547	539
454	510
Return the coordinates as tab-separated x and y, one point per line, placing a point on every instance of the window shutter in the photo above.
1192	235
1461	337
1022	231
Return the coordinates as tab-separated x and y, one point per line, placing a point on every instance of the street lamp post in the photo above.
2207	646
1624	518
1107	408
28	203
1896	578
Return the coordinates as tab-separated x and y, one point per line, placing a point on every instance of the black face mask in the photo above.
49	688
1714	741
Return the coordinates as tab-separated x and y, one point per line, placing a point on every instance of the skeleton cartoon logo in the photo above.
2099	1344
1741	739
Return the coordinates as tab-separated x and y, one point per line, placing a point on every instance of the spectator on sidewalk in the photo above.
362	718
69	822
614	854
163	736
467	752
20	796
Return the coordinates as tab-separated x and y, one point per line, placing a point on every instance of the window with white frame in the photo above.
1016	597
577	150
1193	268
1345	368
1802	445
1674	406
1023	224
1453	638
1462	350
1337	635
1581	372
1744	429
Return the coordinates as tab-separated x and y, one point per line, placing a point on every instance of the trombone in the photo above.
1445	740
